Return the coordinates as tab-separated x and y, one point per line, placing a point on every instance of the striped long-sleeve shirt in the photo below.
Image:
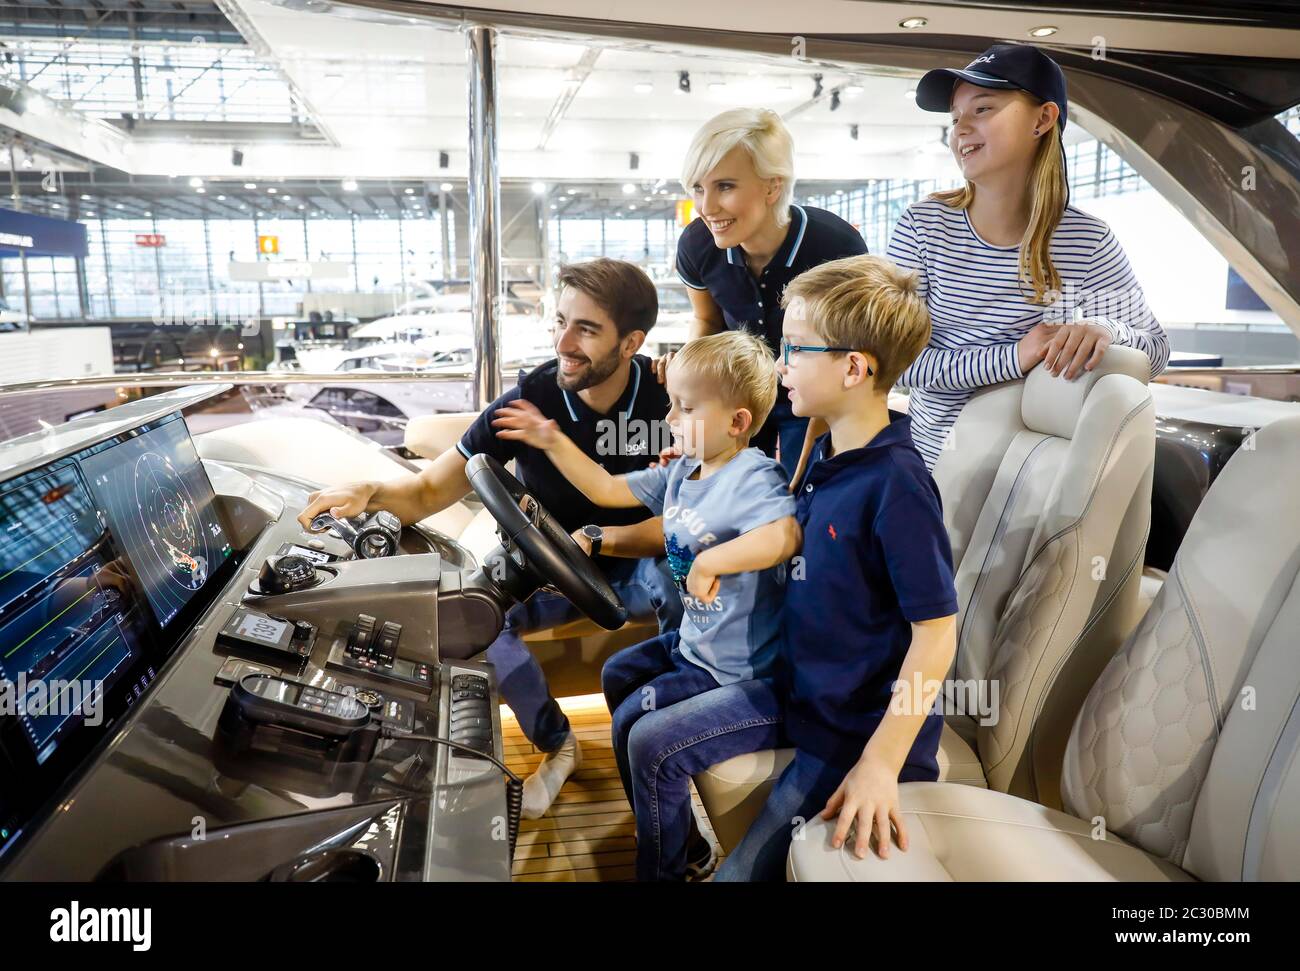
978	309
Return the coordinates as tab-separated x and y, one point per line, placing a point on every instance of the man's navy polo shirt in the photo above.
812	237
876	558
626	432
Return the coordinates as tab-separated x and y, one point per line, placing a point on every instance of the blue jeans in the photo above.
798	795
646	589
682	725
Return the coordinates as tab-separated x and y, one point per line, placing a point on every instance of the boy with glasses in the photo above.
870	606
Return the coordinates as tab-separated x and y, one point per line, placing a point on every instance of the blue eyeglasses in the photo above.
787	347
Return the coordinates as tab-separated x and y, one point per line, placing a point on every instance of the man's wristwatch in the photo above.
596	535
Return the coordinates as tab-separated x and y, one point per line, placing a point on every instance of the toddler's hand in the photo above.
521	421
700	583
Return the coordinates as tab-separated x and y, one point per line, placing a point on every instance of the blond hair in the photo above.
764	137
868	304
1047	205
735	365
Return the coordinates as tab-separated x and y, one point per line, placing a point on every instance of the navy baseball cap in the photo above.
1017	66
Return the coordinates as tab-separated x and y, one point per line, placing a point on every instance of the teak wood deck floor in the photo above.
588	834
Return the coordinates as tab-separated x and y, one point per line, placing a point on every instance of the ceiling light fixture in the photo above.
1044	31
912	23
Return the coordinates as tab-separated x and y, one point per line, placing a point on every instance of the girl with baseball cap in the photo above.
1013	275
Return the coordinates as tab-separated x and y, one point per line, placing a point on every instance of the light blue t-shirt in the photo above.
734	638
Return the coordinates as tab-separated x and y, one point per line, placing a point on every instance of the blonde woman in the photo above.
1006	265
750	241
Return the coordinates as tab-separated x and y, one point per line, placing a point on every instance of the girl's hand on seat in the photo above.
1031	348
868	796
1076	348
522	421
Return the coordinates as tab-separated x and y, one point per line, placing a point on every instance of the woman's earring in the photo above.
1035	131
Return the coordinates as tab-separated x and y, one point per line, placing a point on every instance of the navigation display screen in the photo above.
160	506
99	551
69	621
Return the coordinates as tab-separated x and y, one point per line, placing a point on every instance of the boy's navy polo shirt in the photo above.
627	432
813	237
876	558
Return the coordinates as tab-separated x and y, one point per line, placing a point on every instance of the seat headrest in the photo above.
1051	405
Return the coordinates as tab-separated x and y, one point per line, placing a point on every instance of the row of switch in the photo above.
375	641
471	713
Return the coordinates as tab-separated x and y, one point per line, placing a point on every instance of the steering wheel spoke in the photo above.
535	540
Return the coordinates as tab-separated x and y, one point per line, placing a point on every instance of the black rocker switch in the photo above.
362	639
385	649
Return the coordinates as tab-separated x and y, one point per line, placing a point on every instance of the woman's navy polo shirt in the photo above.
876	558
813	237
622	441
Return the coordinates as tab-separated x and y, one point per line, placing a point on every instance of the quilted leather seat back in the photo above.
1187	745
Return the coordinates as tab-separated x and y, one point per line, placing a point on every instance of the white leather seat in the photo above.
431	435
1183	760
1046	490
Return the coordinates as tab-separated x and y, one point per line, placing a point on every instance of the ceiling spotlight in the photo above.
120	206
201	191
633	161
632	207
554	207
684	82
539	188
571	192
28	161
643	87
301	206
445	187
1044	31
349	185
910	94
628	188
835	101
817	85
250	185
195	182
410	192
287	198
149	212
272	191
84	196
55	205
236	157
912	23
853	132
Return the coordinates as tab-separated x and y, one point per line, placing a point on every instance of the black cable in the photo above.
514	784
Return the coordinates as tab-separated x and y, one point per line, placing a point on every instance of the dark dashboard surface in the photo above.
119	565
